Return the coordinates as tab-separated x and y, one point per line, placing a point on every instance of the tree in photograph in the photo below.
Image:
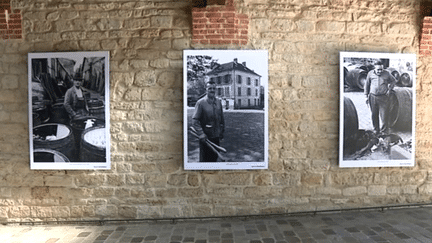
197	67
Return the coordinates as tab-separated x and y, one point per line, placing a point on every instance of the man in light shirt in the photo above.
378	87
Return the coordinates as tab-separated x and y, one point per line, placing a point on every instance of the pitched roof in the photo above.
231	66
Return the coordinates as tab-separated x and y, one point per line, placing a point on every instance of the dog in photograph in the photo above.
367	142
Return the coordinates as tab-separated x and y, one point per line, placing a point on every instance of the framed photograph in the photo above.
377	109
69	110
225	109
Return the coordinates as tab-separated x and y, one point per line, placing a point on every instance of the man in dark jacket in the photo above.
208	121
74	102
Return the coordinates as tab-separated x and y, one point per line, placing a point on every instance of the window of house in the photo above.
249	91
239	79
256	82
248	102
248	81
256	92
239	102
227	78
220	91
227	93
219	80
239	91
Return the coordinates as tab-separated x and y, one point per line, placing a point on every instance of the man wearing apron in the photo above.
74	102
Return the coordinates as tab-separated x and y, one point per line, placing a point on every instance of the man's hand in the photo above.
202	138
367	101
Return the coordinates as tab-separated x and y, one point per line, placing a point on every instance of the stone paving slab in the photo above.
392	225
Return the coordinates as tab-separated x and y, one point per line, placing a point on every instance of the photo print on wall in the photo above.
377	109
69	110
225	106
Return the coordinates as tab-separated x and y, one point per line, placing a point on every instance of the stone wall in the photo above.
146	40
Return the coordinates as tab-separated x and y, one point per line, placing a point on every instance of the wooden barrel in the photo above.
356	78
96	108
54	136
394	72
351	127
401	108
351	123
93	145
79	125
59	114
42	108
406	79
36	119
49	155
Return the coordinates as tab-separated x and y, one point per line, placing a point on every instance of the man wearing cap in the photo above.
208	121
74	102
378	87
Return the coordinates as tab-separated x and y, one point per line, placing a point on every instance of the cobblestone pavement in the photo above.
392	225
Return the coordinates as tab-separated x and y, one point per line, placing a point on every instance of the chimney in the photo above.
244	64
235	60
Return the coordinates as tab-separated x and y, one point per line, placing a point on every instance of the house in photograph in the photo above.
238	86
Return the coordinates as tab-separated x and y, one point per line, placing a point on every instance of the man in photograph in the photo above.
208	121
74	102
378	87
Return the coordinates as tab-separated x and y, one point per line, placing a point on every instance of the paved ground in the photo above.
392	225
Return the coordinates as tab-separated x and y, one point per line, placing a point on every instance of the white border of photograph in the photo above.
362	146
254	155
62	66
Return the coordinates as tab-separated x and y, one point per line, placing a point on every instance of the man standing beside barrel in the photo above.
378	87
208	121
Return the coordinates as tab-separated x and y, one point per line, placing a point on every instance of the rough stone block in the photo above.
127	211
354	191
190	192
103	192
89	180
59	181
261	192
145	212
106	211
145	78
9	82
41	212
135	179
178	180
19	212
263	179
61	212
141	193
377	190
228	179
115	180
166	193
286	179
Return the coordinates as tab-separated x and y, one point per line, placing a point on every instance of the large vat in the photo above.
54	136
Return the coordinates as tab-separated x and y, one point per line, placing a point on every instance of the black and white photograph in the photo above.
69	110
225	109
377	109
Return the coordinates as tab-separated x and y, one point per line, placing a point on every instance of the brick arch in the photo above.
10	21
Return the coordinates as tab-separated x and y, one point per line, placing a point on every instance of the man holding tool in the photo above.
208	123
